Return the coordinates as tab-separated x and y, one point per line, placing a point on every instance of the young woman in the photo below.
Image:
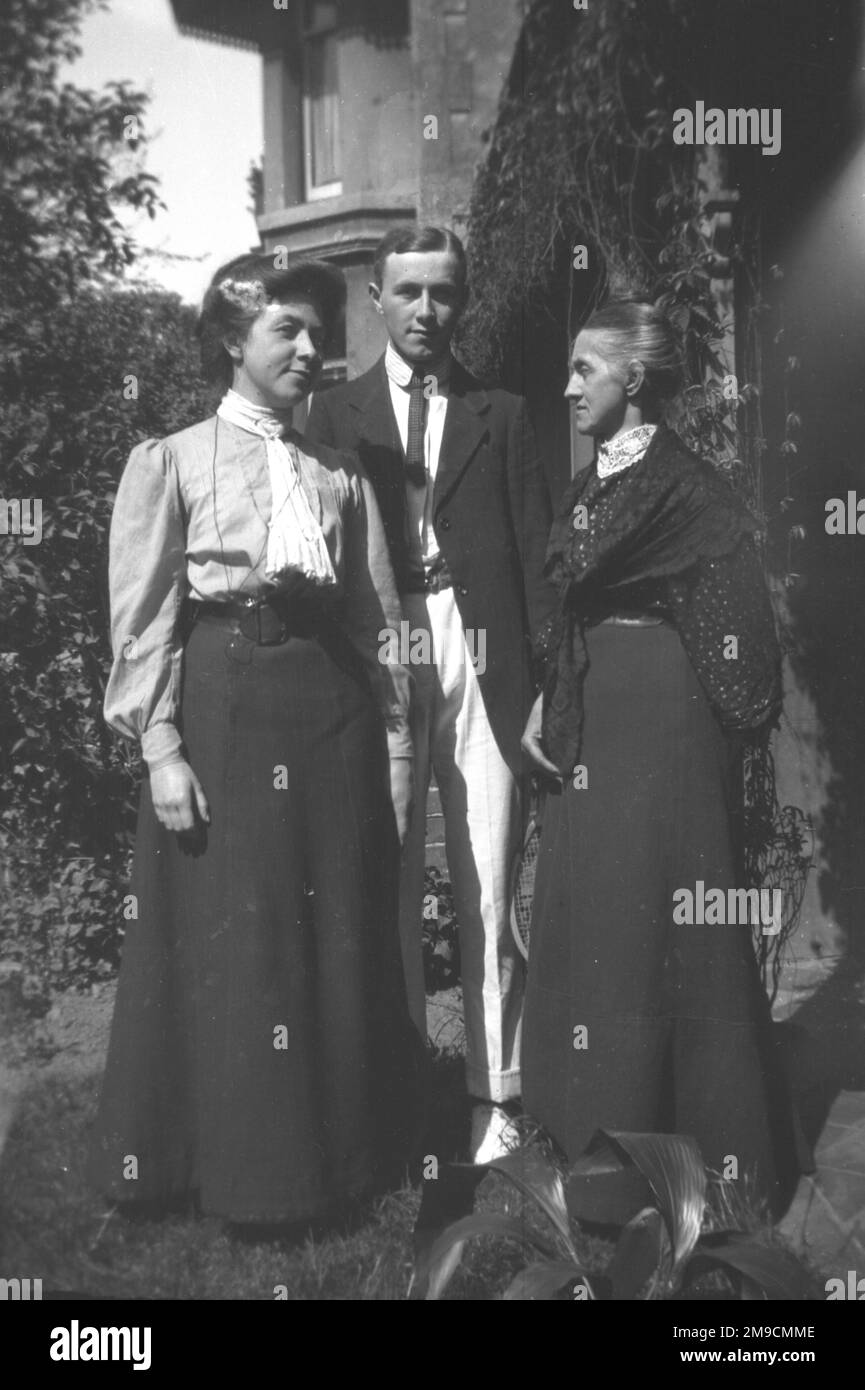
261	1054
662	658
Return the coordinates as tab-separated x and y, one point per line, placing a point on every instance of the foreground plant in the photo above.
659	1253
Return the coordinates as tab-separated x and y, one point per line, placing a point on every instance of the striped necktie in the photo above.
415	463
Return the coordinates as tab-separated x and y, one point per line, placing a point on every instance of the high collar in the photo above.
624	451
401	372
258	419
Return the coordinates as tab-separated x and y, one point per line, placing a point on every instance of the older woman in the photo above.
662	658
261	1054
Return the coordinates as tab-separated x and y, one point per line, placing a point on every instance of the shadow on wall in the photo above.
826	306
824	266
829	616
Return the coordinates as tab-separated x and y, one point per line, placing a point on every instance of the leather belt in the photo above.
266	622
432	581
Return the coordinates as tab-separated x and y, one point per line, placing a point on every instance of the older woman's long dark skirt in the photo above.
261	1052
677	1031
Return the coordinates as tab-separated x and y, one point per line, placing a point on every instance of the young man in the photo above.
467	517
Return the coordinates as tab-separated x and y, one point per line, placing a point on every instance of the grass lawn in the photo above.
56	1229
53	1227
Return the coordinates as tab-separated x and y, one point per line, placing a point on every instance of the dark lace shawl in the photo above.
668	526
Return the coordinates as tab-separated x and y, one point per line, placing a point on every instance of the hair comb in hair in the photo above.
244	294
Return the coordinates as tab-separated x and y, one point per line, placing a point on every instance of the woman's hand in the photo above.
177	795
402	794
531	740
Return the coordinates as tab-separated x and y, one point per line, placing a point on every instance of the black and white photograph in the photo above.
432	663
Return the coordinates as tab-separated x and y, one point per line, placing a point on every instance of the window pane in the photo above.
323	99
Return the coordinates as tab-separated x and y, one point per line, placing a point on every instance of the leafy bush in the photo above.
441	950
107	369
87	368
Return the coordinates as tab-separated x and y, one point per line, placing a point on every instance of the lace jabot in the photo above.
295	540
624	450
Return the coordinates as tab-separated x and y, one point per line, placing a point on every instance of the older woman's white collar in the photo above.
624	450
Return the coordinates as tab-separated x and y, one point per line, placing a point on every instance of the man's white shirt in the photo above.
420	499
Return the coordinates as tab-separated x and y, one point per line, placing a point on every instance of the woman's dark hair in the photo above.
634	329
399	241
244	286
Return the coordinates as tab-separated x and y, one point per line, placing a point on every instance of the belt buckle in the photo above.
251	627
271	626
248	625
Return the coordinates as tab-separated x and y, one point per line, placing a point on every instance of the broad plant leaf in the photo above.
540	1180
774	1270
642	1250
600	1157
542	1281
446	1253
749	1292
673	1167
446	1199
439	1270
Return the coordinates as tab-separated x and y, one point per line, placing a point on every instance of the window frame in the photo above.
312	31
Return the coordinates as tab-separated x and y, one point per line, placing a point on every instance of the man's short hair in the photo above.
400	241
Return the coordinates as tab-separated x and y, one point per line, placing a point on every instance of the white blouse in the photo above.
192	520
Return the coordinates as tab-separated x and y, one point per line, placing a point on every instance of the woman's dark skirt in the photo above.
261	1053
678	1033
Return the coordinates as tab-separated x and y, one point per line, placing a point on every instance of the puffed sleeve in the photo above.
147	582
373	609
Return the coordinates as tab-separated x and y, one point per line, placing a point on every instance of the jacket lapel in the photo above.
376	421
380	450
466	423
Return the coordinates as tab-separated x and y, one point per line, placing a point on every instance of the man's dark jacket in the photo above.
491	516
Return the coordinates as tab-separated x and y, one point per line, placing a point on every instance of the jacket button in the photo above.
461	589
445	524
